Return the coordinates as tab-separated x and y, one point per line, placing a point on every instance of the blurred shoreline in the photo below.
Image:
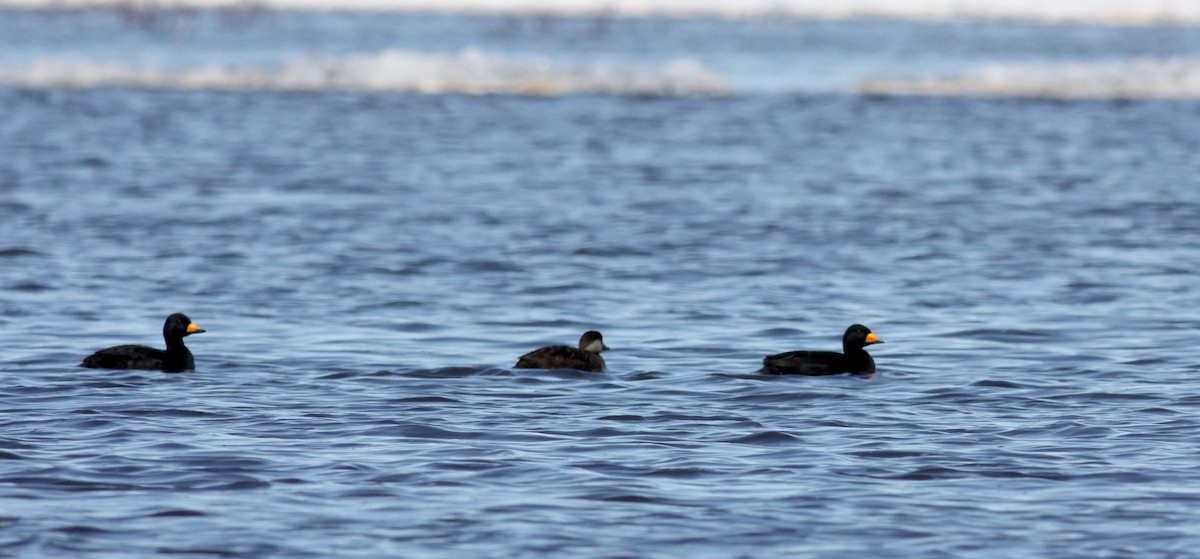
1097	12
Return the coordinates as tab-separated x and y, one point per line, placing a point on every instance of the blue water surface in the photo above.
369	266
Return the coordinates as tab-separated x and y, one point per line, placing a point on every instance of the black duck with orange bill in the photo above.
853	359
176	358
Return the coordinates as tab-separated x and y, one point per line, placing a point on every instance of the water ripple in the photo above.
369	267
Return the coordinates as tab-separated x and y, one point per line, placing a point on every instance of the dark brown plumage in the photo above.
853	358
586	357
175	359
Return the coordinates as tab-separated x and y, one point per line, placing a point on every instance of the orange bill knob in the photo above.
873	339
193	329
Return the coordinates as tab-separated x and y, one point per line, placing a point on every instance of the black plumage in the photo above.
853	359
176	358
586	357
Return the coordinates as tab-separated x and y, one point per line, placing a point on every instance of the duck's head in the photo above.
592	341
858	335
179	325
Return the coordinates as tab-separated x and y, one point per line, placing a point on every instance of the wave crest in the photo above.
401	71
1144	78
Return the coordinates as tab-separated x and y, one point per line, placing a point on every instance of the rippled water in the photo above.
368	266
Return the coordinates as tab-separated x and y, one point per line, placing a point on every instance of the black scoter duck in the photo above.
586	357
175	359
853	358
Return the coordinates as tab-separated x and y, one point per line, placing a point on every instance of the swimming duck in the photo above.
853	358
175	359
586	357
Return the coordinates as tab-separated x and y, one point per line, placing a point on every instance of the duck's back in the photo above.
561	357
815	363
138	357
